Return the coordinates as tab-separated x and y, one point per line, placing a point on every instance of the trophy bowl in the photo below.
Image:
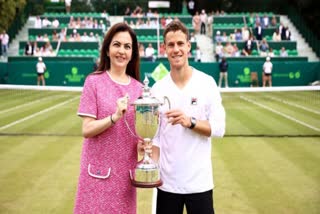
146	173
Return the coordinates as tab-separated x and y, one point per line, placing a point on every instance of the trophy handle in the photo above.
167	99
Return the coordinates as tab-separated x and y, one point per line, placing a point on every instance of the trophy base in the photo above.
146	184
146	178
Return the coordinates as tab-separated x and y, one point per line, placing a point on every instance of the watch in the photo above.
193	122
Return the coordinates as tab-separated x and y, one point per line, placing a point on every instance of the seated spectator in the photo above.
102	26
141	50
92	38
55	35
265	21
38	22
274	21
245	34
264	47
276	36
106	15
192	37
228	49
218	51
45	38
63	35
162	51
224	37
55	23
47	49
150	52
163	22
84	37
28	49
238	35
283	52
168	20
39	38
236	51
249	45
270	53
218	37
46	22
244	52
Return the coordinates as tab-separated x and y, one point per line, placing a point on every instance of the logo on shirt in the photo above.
194	101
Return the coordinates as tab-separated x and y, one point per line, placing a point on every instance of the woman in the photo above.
109	148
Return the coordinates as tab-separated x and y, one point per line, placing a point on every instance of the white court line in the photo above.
36	114
295	105
26	104
279	113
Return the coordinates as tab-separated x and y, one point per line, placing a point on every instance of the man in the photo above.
41	68
4	37
223	66
267	72
183	146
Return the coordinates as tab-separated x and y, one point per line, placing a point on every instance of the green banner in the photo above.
73	73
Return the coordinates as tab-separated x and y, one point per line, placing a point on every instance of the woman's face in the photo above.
120	50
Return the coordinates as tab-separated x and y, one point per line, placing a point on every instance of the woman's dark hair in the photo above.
134	64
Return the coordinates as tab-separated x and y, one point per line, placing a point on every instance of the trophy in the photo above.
146	173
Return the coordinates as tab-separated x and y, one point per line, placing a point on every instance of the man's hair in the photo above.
175	26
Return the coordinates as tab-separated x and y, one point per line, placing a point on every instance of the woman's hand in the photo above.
122	107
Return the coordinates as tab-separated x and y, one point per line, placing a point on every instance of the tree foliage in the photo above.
8	11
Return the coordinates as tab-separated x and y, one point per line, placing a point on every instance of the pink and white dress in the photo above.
104	182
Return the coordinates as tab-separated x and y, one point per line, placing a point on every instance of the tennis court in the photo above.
268	161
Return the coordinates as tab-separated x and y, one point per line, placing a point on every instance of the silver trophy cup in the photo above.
146	173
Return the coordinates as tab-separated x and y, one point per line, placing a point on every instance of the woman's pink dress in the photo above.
115	149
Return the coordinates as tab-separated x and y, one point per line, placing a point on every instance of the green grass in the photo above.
268	162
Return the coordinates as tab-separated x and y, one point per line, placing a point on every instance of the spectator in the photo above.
46	22
209	24
191	7
68	5
259	31
197	57
283	52
141	50
41	68
192	37
218	51
267	72
196	22
264	47
248	47
265	21
55	35
38	22
4	43
218	37
203	20
127	12
274	21
223	66
28	49
287	33
55	23
228	49
150	52
276	36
